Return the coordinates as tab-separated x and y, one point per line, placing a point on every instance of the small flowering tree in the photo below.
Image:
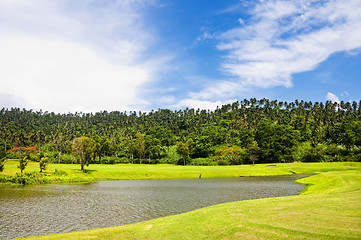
23	153
230	155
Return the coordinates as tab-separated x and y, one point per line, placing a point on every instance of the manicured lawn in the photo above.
72	173
329	208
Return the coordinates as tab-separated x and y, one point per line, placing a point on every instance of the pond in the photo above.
47	209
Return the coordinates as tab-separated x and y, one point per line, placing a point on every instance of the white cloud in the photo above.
284	38
204	36
65	55
66	76
166	100
332	97
240	20
344	94
9	101
223	89
113	28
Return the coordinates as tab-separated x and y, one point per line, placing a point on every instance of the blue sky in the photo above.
93	55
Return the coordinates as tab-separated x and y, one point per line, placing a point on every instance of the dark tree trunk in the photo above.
82	165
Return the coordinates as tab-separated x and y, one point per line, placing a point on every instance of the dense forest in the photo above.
249	131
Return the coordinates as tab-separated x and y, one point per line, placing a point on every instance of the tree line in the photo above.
248	131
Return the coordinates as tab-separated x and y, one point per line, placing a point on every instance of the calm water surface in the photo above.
47	209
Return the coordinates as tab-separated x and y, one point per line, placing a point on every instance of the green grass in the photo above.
72	173
329	208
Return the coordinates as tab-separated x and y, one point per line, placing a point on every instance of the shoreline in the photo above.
324	209
70	174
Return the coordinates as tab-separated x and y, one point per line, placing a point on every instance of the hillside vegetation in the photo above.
250	131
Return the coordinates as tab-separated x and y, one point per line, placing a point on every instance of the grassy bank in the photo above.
329	208
71	172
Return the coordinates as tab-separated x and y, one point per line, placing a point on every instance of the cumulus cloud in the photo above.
9	101
283	38
74	55
332	97
114	28
64	76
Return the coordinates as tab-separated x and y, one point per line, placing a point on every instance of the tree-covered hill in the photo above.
250	131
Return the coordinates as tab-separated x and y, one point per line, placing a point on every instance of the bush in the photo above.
203	162
2	164
67	159
168	160
53	157
24	178
287	158
42	164
313	154
171	157
332	153
4	179
60	172
123	160
33	157
300	151
113	160
223	162
357	157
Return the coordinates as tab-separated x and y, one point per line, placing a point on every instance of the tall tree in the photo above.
140	145
185	149
102	145
83	148
276	141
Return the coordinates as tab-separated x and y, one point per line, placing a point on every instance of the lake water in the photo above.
47	209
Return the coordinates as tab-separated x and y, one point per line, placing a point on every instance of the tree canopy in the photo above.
84	148
268	131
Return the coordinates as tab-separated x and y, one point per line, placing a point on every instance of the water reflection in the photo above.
47	209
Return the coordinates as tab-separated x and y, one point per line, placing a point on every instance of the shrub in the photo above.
203	162
123	160
168	160
4	179
298	154
67	159
60	172
357	157
23	178
42	164
2	164
106	160
113	160
332	153
223	162
313	154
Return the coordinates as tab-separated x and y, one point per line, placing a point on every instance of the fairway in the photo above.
70	173
329	208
